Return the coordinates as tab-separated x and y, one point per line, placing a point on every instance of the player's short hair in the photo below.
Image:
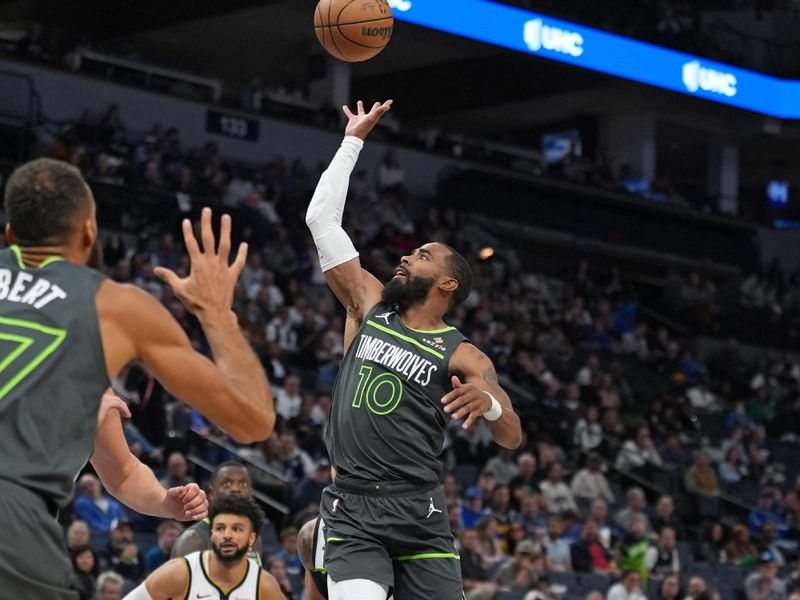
42	199
234	504
460	270
230	464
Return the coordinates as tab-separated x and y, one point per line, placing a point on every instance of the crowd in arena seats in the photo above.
646	471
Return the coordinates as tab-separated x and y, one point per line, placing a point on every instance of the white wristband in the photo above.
495	412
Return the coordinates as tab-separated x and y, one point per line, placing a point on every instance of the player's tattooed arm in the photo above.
475	383
305	544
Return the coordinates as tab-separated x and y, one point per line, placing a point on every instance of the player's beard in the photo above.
405	294
229	558
95	260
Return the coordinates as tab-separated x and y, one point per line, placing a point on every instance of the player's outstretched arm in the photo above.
480	395
355	289
134	483
170	580
234	392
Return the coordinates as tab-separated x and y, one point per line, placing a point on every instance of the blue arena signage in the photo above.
554	39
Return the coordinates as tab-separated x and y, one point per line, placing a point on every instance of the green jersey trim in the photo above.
320	570
18	253
426	555
334	539
442	330
59	335
410	340
49	260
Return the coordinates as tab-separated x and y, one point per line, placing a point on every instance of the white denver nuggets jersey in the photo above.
201	587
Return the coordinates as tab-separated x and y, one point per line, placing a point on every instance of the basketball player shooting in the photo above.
405	376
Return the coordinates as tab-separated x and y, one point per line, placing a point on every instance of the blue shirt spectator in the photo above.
99	510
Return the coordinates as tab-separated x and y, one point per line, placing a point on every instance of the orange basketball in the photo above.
353	30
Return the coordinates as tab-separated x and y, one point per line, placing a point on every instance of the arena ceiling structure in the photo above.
438	79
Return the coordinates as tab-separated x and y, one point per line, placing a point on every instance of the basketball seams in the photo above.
356	22
342	33
333	39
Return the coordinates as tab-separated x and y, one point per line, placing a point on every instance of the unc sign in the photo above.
697	77
538	35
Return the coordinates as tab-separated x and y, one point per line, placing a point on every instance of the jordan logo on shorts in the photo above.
335	504
432	509
385	316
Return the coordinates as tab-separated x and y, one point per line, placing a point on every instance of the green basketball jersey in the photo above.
52	373
387	420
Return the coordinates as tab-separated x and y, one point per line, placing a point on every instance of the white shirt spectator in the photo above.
287	405
591	485
588	436
632	456
558	496
618	592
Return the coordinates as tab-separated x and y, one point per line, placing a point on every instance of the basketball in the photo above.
353	30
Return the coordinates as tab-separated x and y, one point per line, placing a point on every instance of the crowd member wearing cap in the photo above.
519	574
122	555
764	584
473	510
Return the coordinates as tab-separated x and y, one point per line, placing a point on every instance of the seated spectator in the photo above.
767	545
732	469
556	546
519	574
607	531
473	510
740	550
489	546
670	588
594	595
662	557
502	465
630	588
288	553
530	516
477	584
77	535
288	398
636	504
634	546
308	493
664	516
516	533
277	568
177	471
524	482
109	586
766	511
168	532
638	453
764	584
590	483
556	493
500	508
122	555
700	478
588	434
671	452
97	509
589	554
297	464
712	548
86	568
696	587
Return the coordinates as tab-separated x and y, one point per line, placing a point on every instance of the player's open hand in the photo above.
111	402
187	502
361	123
466	400
208	290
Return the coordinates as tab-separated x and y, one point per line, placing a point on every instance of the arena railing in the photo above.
258	464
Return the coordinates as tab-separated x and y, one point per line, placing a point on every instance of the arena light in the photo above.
567	42
486	253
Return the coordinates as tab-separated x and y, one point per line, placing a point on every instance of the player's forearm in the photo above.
507	430
326	209
139	491
252	417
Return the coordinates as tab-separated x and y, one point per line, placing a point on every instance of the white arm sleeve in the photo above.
140	593
324	215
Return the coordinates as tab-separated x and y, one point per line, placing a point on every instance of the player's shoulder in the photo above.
170	580
270	588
